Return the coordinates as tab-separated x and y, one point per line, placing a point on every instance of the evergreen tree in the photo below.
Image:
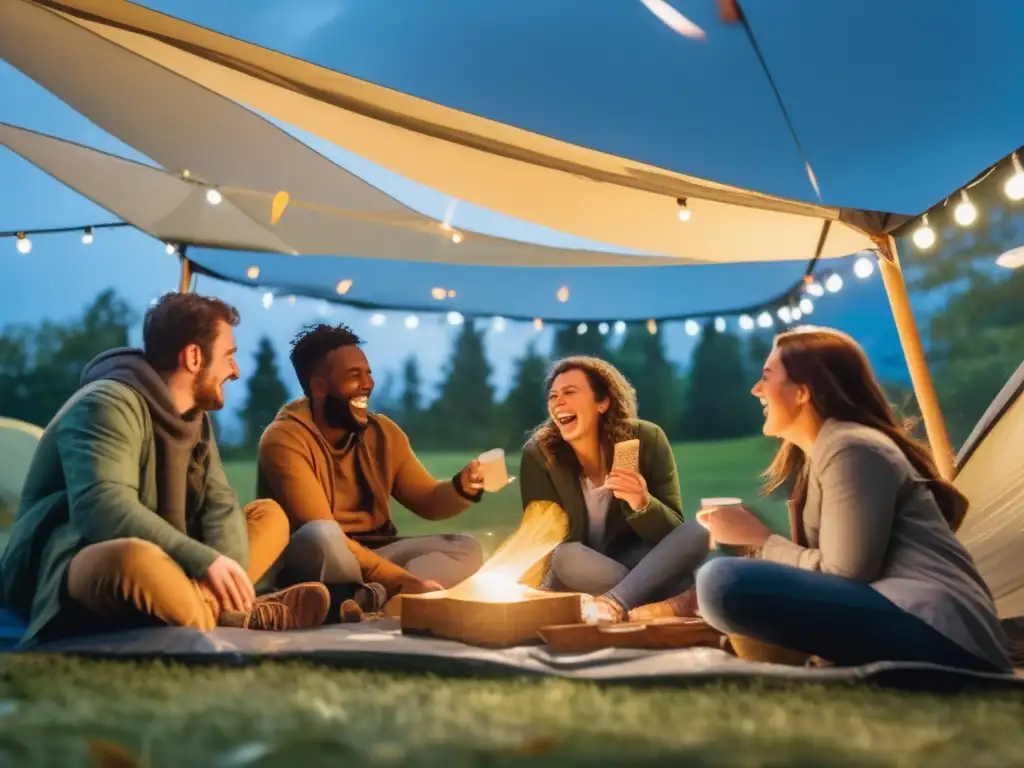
642	360
410	403
569	341
525	406
718	404
464	415
266	393
759	346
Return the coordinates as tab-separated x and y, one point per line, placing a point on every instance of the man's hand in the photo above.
420	586
630	486
472	478
230	584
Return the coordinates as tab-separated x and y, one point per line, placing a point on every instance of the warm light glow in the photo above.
806	306
451	294
24	245
864	267
499	324
1014	187
291	299
692	327
438	293
455	318
252	272
343	287
652	327
746	323
412	322
377	319
1012	259
603	329
170	249
764	320
581	328
456	237
684	212
268	300
538	324
815	289
213	197
785	315
620	327
720	324
563	294
87	237
965	213
186	173
924	236
833	283
796	314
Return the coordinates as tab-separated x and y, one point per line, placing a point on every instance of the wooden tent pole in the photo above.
186	272
913	350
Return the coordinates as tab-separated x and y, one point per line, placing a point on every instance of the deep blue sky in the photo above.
605	74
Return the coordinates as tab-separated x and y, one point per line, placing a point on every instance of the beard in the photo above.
208	394
338	414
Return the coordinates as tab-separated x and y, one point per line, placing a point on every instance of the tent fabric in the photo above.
113	50
381	645
18	441
991	475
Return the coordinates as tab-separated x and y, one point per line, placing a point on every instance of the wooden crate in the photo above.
658	633
486	622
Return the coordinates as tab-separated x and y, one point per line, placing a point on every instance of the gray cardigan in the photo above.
870	517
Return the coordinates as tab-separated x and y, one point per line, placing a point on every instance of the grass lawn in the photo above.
728	468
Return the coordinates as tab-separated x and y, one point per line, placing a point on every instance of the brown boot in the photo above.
297	607
682	605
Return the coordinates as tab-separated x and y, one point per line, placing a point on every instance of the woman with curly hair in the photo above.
628	544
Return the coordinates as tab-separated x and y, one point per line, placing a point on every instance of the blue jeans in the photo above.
843	621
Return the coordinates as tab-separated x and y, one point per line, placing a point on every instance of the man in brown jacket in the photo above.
334	466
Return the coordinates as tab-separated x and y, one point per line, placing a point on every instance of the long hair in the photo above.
843	386
616	424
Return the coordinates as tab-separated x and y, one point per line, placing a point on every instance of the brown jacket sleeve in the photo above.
287	476
416	490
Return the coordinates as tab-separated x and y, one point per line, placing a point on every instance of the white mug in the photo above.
494	470
715	503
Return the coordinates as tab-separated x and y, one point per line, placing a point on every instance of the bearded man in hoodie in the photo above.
127	517
334	466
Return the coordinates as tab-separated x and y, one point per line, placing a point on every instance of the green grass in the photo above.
728	468
291	714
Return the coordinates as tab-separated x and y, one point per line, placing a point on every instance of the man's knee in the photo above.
468	550
269	518
319	551
121	558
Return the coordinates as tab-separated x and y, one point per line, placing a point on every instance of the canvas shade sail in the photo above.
116	52
991	475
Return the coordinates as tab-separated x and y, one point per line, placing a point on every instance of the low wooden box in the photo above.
487	623
654	634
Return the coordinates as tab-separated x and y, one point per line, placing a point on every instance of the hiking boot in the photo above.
683	605
297	607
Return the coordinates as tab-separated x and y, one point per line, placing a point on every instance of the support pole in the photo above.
186	272
913	351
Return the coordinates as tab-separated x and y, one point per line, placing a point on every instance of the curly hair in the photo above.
313	343
618	423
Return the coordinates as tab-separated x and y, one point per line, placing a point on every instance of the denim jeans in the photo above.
844	621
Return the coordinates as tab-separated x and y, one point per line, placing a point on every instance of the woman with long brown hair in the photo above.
873	570
627	544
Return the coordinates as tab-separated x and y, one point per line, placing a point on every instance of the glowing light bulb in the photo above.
538	324
343	287
815	289
213	196
451	294
438	293
764	320
692	327
806	306
746	323
456	237
499	324
965	213
620	327
412	322
785	315
602	328
1014	187
268	300
864	267
720	324
377	319
1012	259
652	327
796	314
252	272
924	236
581	328
455	318
170	249
87	237
563	294
684	212
24	245
833	283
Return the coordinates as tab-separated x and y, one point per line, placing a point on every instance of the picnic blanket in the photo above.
381	645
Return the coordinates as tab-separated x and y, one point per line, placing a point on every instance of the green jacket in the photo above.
93	479
625	528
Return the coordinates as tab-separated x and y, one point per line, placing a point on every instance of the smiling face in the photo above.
574	407
215	371
783	400
343	387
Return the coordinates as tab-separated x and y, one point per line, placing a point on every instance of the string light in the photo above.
692	327
500	324
170	249
581	328
684	212
924	236
833	283
455	318
620	327
563	294
1014	187
538	324
213	196
23	244
343	287
720	324
602	328
268	300
1012	259
764	320
806	306
785	314
864	267
438	293
87	236
965	213
456	237
252	272
652	327
746	323
412	322
815	289
451	294
378	319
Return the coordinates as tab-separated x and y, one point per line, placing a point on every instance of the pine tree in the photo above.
524	407
642	360
410	404
266	393
464	414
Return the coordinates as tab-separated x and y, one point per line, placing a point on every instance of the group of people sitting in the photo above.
127	517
